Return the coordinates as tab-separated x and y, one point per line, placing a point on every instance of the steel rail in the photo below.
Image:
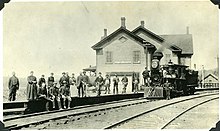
151	110
77	107
17	126
185	111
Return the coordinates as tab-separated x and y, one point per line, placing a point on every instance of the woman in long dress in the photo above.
31	87
73	90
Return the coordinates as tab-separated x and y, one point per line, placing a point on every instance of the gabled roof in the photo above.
155	36
183	41
141	28
100	44
210	75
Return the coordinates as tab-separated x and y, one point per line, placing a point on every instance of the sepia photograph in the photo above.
110	65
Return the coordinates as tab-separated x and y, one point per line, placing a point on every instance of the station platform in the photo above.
25	107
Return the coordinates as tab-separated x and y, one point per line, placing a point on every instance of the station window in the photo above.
108	57
137	57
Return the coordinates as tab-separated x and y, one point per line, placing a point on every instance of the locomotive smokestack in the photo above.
158	55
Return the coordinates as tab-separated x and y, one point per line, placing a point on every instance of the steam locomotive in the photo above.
182	80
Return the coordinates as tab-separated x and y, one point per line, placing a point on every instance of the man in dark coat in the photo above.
107	83
67	79
79	84
65	94
13	86
85	83
55	95
125	83
136	82
167	87
99	82
41	81
42	89
31	87
146	76
63	78
115	84
50	80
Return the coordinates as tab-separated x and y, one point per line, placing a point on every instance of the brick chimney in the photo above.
187	30
123	22
105	34
142	23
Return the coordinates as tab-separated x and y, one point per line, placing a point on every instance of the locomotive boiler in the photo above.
182	80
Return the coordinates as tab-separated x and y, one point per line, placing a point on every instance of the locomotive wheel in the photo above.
47	106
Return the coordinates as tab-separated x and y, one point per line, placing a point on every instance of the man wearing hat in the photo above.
42	86
79	84
125	83
107	83
85	81
13	86
99	82
146	77
50	80
67	79
65	93
63	78
115	84
72	82
55	95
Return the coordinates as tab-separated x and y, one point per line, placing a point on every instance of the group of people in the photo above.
67	86
106	82
50	90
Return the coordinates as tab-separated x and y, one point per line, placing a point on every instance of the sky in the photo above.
57	36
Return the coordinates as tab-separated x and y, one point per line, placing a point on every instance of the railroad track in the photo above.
151	118
81	114
108	119
19	122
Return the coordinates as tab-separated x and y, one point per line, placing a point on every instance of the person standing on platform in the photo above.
79	85
65	93
107	83
50	80
55	95
125	83
41	81
42	89
13	86
167	87
115	84
99	82
67	79
136	82
85	83
31	87
63	78
146	77
72	85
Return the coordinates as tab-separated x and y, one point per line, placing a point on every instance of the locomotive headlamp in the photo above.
155	63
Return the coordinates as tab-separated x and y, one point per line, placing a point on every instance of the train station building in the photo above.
125	52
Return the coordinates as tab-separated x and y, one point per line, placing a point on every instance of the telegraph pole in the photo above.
203	76
217	64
